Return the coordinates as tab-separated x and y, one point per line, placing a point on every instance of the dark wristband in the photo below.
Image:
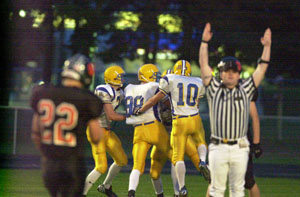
204	41
261	61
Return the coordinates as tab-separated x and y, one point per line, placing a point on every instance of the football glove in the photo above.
257	150
166	116
204	171
136	111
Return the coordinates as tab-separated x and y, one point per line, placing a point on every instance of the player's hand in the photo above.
266	40
207	34
257	150
136	111
204	171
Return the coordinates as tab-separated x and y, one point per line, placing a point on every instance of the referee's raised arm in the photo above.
206	73
264	60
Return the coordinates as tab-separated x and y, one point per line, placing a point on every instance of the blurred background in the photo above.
39	35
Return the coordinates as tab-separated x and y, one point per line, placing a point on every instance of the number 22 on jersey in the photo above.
67	115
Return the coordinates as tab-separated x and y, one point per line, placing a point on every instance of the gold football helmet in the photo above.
148	72
166	72
114	75
182	67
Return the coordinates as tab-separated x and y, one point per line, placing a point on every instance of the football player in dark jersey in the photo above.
61	116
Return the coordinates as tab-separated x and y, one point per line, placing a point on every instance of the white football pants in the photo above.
227	161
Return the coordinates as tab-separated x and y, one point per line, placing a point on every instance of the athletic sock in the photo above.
180	173
202	151
174	180
114	169
157	185
134	179
90	180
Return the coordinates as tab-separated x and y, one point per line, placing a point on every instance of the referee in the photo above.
229	107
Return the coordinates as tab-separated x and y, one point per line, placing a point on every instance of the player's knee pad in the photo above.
249	183
154	174
155	170
102	168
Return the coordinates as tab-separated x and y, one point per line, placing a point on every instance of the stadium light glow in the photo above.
22	13
127	20
150	56
170	23
246	74
70	23
140	51
38	18
161	56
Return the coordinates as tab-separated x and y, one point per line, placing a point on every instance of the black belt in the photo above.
185	116
222	141
146	123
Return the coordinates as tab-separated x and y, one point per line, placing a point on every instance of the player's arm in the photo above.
261	69
35	131
96	131
152	101
111	114
255	123
206	72
256	149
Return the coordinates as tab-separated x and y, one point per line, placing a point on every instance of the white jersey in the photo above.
184	92
136	96
108	95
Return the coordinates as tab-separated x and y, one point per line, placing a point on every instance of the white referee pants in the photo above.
228	161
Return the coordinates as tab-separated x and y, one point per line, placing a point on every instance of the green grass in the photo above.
28	183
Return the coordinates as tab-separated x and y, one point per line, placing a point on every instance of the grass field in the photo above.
28	183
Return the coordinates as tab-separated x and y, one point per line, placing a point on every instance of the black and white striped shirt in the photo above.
229	108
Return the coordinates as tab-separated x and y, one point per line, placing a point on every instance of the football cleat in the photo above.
101	188
149	73
182	67
175	195
131	193
204	171
114	75
183	192
160	195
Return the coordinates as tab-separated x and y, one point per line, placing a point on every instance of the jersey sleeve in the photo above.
94	107
165	98
201	90
103	94
255	96
164	85
249	87
212	87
